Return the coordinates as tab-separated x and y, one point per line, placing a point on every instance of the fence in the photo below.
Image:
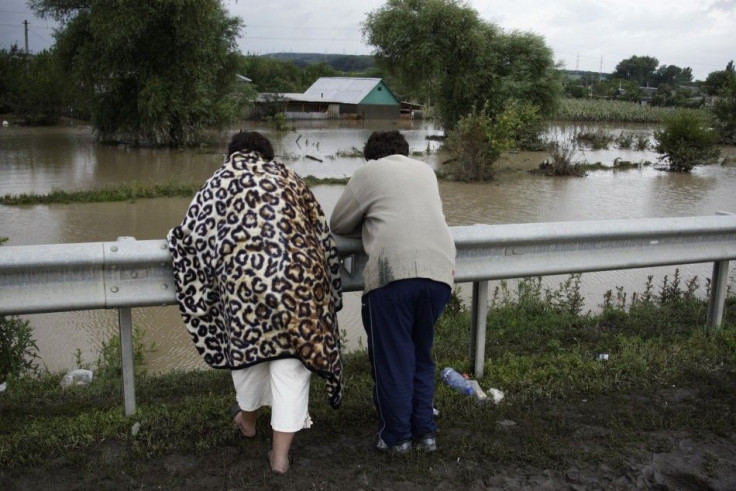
128	273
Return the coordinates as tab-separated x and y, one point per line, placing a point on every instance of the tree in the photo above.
33	87
669	95
717	81
638	68
672	75
271	74
442	50
724	109
12	64
154	72
312	72
686	141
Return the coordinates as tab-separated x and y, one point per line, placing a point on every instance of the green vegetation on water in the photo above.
118	192
541	350
127	192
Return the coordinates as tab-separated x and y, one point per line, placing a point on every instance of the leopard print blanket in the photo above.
257	271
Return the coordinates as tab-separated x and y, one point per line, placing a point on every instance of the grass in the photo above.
618	164
541	352
119	192
127	192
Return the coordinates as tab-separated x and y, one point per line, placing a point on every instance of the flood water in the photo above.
37	160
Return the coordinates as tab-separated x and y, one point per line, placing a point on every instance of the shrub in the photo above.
109	360
479	138
566	158
472	149
278	122
597	140
18	350
685	142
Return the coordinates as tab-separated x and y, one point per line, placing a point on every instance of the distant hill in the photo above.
578	74
344	63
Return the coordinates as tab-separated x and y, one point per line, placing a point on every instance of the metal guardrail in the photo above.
128	273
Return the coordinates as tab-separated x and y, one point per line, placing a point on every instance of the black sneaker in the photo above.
396	449
427	443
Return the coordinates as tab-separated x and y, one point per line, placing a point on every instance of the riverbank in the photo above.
656	412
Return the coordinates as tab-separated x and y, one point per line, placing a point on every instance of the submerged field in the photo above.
659	412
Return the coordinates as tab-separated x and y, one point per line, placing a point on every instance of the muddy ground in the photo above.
586	444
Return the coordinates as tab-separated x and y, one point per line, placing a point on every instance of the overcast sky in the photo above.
589	35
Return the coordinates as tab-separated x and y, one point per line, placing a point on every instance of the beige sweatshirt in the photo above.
396	205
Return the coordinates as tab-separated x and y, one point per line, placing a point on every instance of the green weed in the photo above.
542	351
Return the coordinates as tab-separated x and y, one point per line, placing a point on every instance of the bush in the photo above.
566	158
472	149
479	138
18	350
685	142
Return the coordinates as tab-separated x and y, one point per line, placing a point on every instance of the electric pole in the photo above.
25	25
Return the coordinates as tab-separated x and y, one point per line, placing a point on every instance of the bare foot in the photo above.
247	423
278	465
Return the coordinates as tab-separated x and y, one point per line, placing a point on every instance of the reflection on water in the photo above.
37	160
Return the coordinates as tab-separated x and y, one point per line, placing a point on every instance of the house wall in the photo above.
380	95
370	111
304	110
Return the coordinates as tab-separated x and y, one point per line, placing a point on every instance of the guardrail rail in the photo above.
128	273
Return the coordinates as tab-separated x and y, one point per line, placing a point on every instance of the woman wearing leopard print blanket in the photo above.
258	287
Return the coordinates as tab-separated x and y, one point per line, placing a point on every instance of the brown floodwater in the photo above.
37	160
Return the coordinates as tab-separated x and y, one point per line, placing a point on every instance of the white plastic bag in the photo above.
79	376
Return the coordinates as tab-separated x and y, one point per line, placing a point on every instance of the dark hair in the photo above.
384	143
250	141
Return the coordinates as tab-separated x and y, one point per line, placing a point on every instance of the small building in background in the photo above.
339	98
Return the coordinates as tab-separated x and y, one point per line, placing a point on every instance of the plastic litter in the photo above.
478	393
79	376
455	380
3	386
495	396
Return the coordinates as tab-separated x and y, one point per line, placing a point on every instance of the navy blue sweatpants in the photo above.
399	323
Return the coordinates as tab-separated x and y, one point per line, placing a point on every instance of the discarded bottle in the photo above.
456	381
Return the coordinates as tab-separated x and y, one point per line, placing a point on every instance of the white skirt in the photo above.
282	384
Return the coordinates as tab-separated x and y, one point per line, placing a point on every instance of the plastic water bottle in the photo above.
456	381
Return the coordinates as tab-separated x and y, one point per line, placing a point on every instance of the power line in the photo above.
30	26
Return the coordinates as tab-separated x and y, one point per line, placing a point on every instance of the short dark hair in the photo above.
384	143
250	141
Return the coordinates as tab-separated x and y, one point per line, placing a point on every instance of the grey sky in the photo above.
589	35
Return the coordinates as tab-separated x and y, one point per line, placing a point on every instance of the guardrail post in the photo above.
478	326
718	289
126	353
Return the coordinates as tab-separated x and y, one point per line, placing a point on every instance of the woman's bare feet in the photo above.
246	421
279	464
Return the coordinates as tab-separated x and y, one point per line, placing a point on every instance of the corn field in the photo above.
599	110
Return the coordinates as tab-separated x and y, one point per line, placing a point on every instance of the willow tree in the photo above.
443	50
153	72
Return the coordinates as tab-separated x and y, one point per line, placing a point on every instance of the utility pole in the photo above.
25	25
